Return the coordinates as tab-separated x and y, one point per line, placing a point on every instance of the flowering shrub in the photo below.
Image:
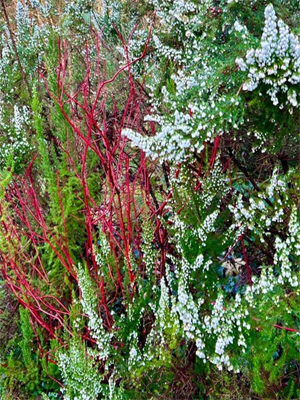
153	240
276	63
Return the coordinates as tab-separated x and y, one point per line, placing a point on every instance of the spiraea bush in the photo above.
150	199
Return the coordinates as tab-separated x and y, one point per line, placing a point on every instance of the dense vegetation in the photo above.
149	199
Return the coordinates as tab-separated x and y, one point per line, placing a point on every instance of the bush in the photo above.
153	238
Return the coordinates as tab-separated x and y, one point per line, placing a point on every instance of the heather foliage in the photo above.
149	172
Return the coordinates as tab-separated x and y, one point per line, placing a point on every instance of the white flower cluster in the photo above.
134	353
147	248
214	186
20	119
163	313
164	50
79	372
78	7
256	214
183	133
31	35
282	259
43	7
89	304
5	53
239	27
22	19
188	312
207	226
102	250
294	232
229	322
286	273
276	63
175	11
184	82
165	329
188	124
169	143
110	8
226	324
17	141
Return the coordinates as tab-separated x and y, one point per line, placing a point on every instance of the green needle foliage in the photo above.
149	199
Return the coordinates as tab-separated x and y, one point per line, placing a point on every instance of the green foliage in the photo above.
23	368
182	285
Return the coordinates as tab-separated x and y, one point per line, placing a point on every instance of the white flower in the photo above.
237	26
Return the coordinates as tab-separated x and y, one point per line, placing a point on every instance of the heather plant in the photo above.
206	98
28	40
153	239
